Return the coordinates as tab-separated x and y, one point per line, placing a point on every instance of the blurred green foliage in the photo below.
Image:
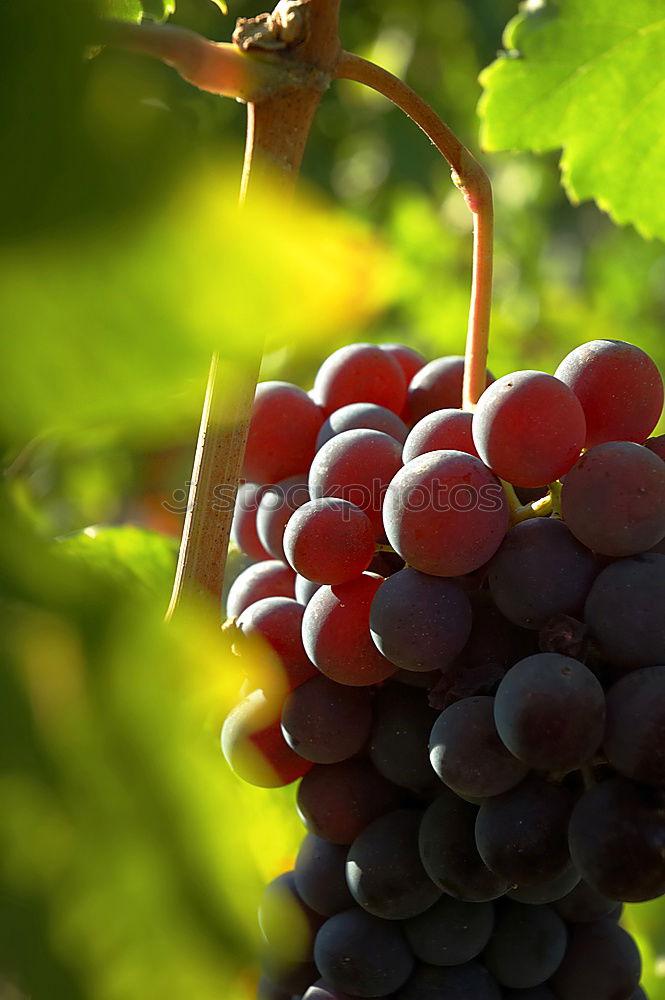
131	857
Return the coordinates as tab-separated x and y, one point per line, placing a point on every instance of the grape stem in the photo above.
473	182
547	506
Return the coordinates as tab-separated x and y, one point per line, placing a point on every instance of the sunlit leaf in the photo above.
117	327
587	76
123	10
126	554
127	872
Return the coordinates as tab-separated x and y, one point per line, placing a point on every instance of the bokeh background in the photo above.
130	858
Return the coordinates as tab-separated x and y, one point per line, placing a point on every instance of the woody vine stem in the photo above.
280	65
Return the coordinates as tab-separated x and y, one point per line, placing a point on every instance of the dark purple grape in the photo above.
449	853
613	499
467	754
338	801
420	622
470	981
602	961
583	904
321	990
555	889
527	946
624	612
521	834
451	932
540	570
384	871
326	722
320	876
617	840
550	712
363	955
398	739
635	731
535	993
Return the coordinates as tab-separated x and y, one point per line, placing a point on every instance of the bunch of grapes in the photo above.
465	616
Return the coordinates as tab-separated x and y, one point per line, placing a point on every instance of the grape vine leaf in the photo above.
587	77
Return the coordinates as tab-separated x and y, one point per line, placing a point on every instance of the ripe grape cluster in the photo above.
460	620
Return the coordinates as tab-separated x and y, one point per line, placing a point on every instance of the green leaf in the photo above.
222	5
129	555
123	10
135	10
587	76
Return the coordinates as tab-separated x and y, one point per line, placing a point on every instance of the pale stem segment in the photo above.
474	184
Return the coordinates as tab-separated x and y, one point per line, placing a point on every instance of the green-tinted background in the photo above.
130	859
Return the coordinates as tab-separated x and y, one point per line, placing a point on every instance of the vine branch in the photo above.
473	182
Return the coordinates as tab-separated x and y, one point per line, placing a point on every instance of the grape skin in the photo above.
445	513
451	932
521	834
617	837
437	386
360	373
326	722
409	360
273	451
540	570
550	712
356	416
254	747
449	853
277	504
634	735
329	541
243	528
470	981
398	738
529	428
384	871
337	801
277	621
357	466
624	612
467	754
613	499
362	954
619	387
287	924
336	636
602	961
270	578
443	430
420	622
527	946
320	876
